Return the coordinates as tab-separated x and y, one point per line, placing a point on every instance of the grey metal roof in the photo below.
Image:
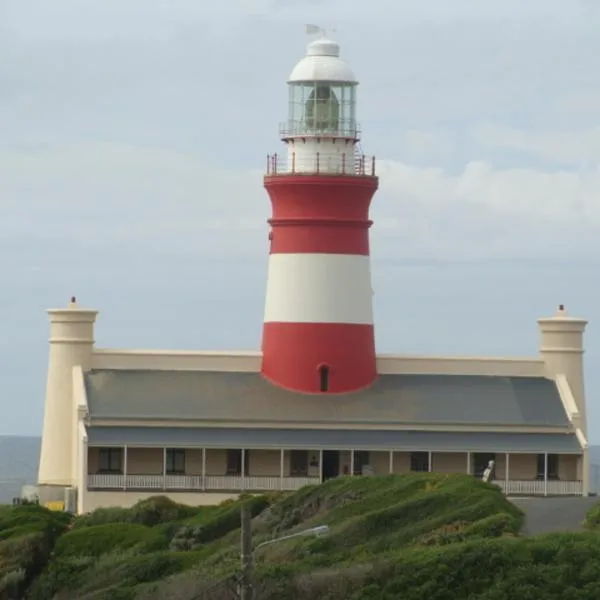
392	399
213	437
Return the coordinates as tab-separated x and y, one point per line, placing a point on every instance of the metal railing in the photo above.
101	481
349	129
321	164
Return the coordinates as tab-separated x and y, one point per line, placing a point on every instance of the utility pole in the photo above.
247	589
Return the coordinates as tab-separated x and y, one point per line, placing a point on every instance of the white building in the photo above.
317	401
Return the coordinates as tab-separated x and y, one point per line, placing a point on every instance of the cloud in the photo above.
125	200
579	148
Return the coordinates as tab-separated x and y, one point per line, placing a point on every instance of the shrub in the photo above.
101	539
150	512
592	520
221	522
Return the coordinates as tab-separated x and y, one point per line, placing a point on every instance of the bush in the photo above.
592	520
220	522
101	539
150	512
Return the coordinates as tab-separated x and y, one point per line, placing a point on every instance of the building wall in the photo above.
149	461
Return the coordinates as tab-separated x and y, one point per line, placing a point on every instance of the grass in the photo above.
414	537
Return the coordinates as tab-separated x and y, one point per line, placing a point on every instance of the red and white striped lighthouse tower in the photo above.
318	328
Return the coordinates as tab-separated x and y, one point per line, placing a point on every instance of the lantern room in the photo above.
322	94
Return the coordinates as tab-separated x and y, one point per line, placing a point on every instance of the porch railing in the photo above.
540	487
197	482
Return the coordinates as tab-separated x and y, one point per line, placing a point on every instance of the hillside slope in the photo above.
415	537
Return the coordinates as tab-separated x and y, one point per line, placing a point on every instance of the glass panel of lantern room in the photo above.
322	109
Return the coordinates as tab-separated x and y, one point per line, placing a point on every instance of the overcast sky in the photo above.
133	135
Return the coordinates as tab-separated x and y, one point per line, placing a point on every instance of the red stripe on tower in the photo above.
318	332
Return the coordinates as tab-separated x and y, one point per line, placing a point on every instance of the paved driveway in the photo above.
546	515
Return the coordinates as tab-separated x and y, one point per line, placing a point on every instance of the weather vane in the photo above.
318	30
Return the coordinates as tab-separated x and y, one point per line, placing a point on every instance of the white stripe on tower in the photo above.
319	288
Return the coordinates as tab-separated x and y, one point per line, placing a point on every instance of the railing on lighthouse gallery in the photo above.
321	164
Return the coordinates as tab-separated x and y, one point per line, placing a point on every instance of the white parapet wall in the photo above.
397	364
250	362
177	360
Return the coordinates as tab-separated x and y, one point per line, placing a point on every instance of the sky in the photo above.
133	140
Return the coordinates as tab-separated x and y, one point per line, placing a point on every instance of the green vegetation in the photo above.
413	537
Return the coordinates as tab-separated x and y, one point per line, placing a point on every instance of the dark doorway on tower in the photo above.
324	378
331	464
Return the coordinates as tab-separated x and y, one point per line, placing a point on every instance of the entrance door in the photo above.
331	464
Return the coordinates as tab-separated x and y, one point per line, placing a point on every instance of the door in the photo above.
331	464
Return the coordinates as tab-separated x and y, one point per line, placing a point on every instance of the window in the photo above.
361	459
481	460
324	377
552	466
175	461
299	463
419	461
234	462
110	460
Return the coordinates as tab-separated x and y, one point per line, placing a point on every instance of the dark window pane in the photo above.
419	461
175	461
299	463
110	460
361	459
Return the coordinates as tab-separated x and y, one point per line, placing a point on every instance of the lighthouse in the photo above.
318	334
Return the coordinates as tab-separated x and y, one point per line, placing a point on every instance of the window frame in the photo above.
416	464
172	458
234	462
553	466
299	463
107	456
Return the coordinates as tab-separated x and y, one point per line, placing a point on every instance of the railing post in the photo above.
275	163
243	469
362	165
344	163
321	466
318	160
293	162
373	166
204	469
125	467
268	164
164	474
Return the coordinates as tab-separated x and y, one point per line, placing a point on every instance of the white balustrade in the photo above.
198	483
539	487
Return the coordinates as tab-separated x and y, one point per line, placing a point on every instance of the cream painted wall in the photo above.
250	362
149	461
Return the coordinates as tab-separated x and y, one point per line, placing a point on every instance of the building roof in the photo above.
335	439
391	400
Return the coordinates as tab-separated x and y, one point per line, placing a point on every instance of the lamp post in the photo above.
247	553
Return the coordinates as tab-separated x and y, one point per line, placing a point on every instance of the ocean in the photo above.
19	457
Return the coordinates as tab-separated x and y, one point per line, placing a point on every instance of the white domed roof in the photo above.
322	63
